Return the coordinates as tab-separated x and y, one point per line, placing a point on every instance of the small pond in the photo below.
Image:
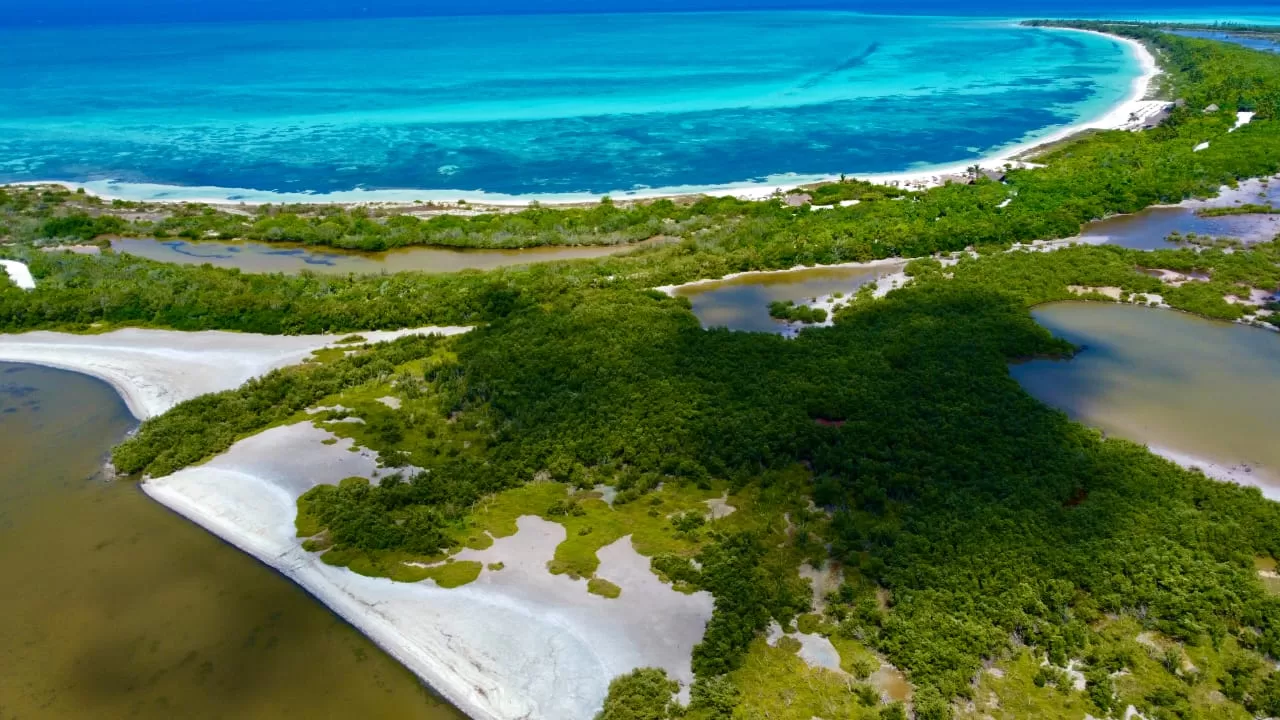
1200	388
742	303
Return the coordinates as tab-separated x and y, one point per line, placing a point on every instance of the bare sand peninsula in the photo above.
156	369
516	643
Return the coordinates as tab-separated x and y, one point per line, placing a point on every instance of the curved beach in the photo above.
1130	112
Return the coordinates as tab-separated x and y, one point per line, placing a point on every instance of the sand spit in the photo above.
19	274
517	643
156	369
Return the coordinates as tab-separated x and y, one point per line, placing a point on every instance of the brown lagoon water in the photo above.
742	303
113	607
259	257
1167	379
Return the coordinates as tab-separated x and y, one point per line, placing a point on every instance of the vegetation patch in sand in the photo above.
603	588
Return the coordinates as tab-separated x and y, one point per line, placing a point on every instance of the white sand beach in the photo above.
19	274
153	370
1130	114
516	643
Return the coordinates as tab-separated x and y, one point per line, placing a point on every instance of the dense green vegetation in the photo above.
1246	209
209	424
972	523
644	694
984	514
37	213
789	310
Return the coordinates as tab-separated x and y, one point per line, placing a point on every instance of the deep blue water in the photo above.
547	105
80	12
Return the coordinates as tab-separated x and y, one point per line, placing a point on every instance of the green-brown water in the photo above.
742	303
259	257
113	607
1167	379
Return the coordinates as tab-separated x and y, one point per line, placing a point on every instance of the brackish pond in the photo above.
260	257
114	607
742	303
1167	379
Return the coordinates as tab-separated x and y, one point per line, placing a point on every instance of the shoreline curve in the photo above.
515	644
1117	117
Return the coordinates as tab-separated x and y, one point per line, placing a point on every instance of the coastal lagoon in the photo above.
1176	382
531	105
260	257
119	608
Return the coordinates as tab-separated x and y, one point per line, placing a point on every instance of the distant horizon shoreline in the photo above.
1068	11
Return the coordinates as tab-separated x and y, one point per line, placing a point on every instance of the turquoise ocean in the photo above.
547	106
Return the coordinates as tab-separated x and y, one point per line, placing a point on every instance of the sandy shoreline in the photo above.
153	370
1130	113
516	643
1239	474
